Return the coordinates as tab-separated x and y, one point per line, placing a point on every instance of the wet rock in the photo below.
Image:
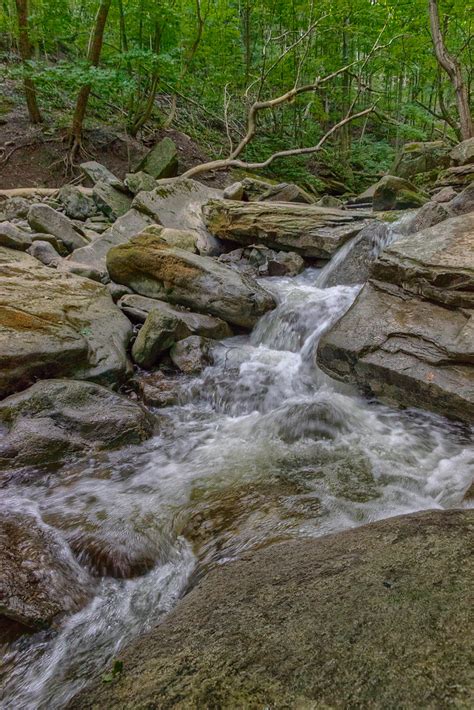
416	158
40	580
77	205
269	262
110	201
395	193
234	191
138	182
152	268
157	389
181	238
13	237
463	153
285	192
305	229
44	252
44	219
126	227
355	267
409	337
192	354
177	203
302	624
155	337
54	419
137	308
99	173
56	325
464	202
445	194
161	161
17	208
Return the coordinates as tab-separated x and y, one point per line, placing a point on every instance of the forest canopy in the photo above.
199	65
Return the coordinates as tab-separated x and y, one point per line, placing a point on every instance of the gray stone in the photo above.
154	338
464	202
77	205
99	173
269	262
427	216
463	153
395	193
182	238
459	176
138	182
44	219
308	230
110	201
137	308
16	208
379	616
40	580
177	203
234	191
329	201
409	337
285	192
126	227
44	252
192	354
54	324
152	268
416	158
117	291
445	194
161	161
55	418
56	243
13	237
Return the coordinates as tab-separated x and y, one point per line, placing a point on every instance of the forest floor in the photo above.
37	156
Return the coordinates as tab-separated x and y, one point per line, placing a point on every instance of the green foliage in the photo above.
217	53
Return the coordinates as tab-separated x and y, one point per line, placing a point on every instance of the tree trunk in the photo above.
26	52
95	49
453	69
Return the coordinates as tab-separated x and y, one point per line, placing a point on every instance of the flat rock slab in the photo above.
376	617
404	350
39	579
310	231
55	324
152	268
42	218
177	203
56	418
437	263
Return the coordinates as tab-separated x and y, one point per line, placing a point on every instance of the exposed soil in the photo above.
32	156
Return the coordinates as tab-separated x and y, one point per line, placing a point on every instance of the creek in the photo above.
262	447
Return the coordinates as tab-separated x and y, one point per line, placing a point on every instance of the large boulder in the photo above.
394	193
177	203
39	579
308	230
42	218
56	324
129	225
13	237
416	158
161	161
463	153
376	617
152	268
76	204
96	172
409	337
110	201
459	176
156	336
137	308
56	418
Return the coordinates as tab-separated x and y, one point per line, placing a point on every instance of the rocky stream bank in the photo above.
189	376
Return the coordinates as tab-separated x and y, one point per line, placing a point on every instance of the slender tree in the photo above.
26	52
453	69
93	57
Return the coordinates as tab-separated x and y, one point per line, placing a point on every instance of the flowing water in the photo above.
262	447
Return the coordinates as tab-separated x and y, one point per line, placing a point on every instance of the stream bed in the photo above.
262	447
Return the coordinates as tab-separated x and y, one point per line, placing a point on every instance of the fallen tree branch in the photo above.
41	191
